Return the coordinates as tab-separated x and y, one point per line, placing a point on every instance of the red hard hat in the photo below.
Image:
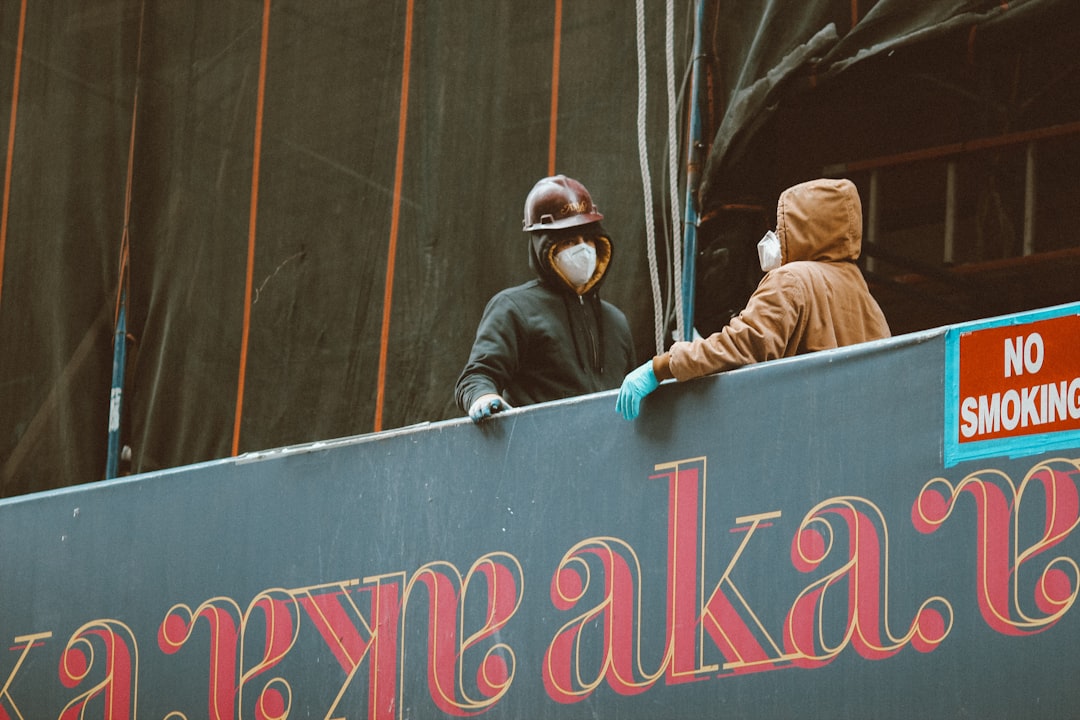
558	202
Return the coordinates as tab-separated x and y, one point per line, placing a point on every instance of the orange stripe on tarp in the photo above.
399	170
123	281
11	142
257	154
556	52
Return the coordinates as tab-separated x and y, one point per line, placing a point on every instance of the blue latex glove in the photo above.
639	383
487	405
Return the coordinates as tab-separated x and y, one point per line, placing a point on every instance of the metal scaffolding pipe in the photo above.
949	254
872	218
1029	200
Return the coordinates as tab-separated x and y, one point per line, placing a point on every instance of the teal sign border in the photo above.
1010	447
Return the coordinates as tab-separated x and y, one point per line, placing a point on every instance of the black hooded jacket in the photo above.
542	341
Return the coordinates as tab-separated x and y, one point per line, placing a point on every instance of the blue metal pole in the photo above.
693	174
112	462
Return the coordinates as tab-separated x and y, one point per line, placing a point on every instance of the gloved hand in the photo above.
639	383
487	405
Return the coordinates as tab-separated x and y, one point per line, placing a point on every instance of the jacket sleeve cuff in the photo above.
661	367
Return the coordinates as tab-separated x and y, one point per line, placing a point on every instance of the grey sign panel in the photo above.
778	541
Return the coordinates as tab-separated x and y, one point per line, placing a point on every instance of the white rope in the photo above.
643	157
673	170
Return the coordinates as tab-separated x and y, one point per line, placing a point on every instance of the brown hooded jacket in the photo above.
817	299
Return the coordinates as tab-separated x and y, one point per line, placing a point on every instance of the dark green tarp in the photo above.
318	340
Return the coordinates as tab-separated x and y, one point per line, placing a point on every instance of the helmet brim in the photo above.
566	222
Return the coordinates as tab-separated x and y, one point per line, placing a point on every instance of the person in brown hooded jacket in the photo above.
812	297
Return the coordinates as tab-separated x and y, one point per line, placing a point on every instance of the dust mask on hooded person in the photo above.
768	251
577	263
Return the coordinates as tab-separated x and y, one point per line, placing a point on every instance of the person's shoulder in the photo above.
785	285
527	286
797	266
800	280
516	290
803	271
513	297
611	308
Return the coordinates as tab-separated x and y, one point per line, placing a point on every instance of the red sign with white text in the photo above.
1019	380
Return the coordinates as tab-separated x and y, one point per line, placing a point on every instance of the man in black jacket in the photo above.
552	337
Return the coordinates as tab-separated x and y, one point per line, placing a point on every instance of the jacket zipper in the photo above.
594	350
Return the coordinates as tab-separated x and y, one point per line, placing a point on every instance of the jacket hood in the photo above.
820	220
542	256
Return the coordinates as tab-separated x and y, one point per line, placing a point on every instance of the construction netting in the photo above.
292	212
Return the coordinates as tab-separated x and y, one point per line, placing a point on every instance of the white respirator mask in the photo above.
768	252
577	263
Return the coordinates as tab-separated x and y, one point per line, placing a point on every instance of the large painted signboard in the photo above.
782	541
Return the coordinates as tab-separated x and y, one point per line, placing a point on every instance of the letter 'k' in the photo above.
719	615
8	708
